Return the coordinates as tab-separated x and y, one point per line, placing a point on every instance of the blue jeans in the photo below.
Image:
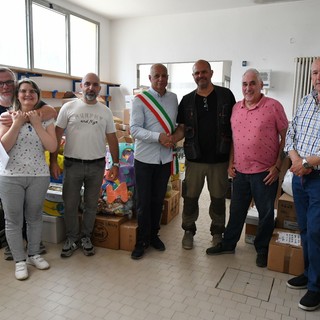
306	193
76	175
245	187
23	196
151	187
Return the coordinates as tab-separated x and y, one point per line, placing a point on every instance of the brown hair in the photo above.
17	104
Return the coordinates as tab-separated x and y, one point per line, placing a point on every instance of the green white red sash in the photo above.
155	107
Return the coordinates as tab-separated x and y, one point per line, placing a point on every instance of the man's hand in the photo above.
232	171
298	169
55	170
6	119
272	176
166	140
113	173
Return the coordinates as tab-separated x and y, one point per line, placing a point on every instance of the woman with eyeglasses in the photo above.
25	179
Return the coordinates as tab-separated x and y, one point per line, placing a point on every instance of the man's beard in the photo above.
5	101
90	96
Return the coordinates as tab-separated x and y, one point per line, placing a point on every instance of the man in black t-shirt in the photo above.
204	121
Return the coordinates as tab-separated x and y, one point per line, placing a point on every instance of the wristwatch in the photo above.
116	164
306	164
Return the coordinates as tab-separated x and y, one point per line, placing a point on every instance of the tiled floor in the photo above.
175	284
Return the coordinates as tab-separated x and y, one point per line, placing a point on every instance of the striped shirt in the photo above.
303	134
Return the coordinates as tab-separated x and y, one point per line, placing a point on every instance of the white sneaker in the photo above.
38	262
21	272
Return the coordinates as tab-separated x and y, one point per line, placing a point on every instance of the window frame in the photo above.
30	40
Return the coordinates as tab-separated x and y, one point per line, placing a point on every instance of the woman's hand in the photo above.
34	118
19	117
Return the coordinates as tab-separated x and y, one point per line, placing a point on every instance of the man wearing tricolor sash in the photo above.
152	122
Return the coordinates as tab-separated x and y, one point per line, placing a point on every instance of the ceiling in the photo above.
124	9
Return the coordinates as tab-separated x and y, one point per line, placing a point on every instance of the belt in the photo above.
84	161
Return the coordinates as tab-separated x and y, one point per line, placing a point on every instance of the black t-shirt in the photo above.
3	109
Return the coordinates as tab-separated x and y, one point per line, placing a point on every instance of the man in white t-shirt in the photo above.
87	123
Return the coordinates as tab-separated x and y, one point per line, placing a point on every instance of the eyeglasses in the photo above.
205	105
23	91
8	83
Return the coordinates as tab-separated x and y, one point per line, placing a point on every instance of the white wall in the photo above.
268	37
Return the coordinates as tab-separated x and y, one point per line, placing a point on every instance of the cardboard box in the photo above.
128	235
176	185
171	207
54	192
126	116
126	139
123	127
286	217
53	229
285	257
106	232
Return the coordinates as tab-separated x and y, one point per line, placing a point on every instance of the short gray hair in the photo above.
5	69
256	72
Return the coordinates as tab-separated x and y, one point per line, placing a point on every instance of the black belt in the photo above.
84	161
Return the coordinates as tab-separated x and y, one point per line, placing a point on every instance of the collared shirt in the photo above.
256	134
145	128
303	135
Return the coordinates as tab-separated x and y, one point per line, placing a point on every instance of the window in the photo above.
13	44
47	37
84	49
49	44
180	76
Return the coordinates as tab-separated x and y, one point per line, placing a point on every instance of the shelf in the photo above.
61	94
65	95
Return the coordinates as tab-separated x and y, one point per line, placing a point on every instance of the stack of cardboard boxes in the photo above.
286	256
283	256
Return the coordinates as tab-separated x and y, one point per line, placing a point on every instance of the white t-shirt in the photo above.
27	155
86	128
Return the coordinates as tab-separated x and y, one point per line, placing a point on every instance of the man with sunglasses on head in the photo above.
7	87
204	122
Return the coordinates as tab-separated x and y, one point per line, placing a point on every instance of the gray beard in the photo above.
5	102
90	97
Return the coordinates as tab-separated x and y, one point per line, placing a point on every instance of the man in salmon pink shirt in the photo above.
259	126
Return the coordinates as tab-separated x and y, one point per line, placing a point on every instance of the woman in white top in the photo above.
25	179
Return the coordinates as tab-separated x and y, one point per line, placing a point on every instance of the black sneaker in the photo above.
87	247
219	249
299	282
310	301
7	254
157	244
262	260
138	251
68	248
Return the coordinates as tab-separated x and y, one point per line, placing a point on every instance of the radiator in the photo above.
302	79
